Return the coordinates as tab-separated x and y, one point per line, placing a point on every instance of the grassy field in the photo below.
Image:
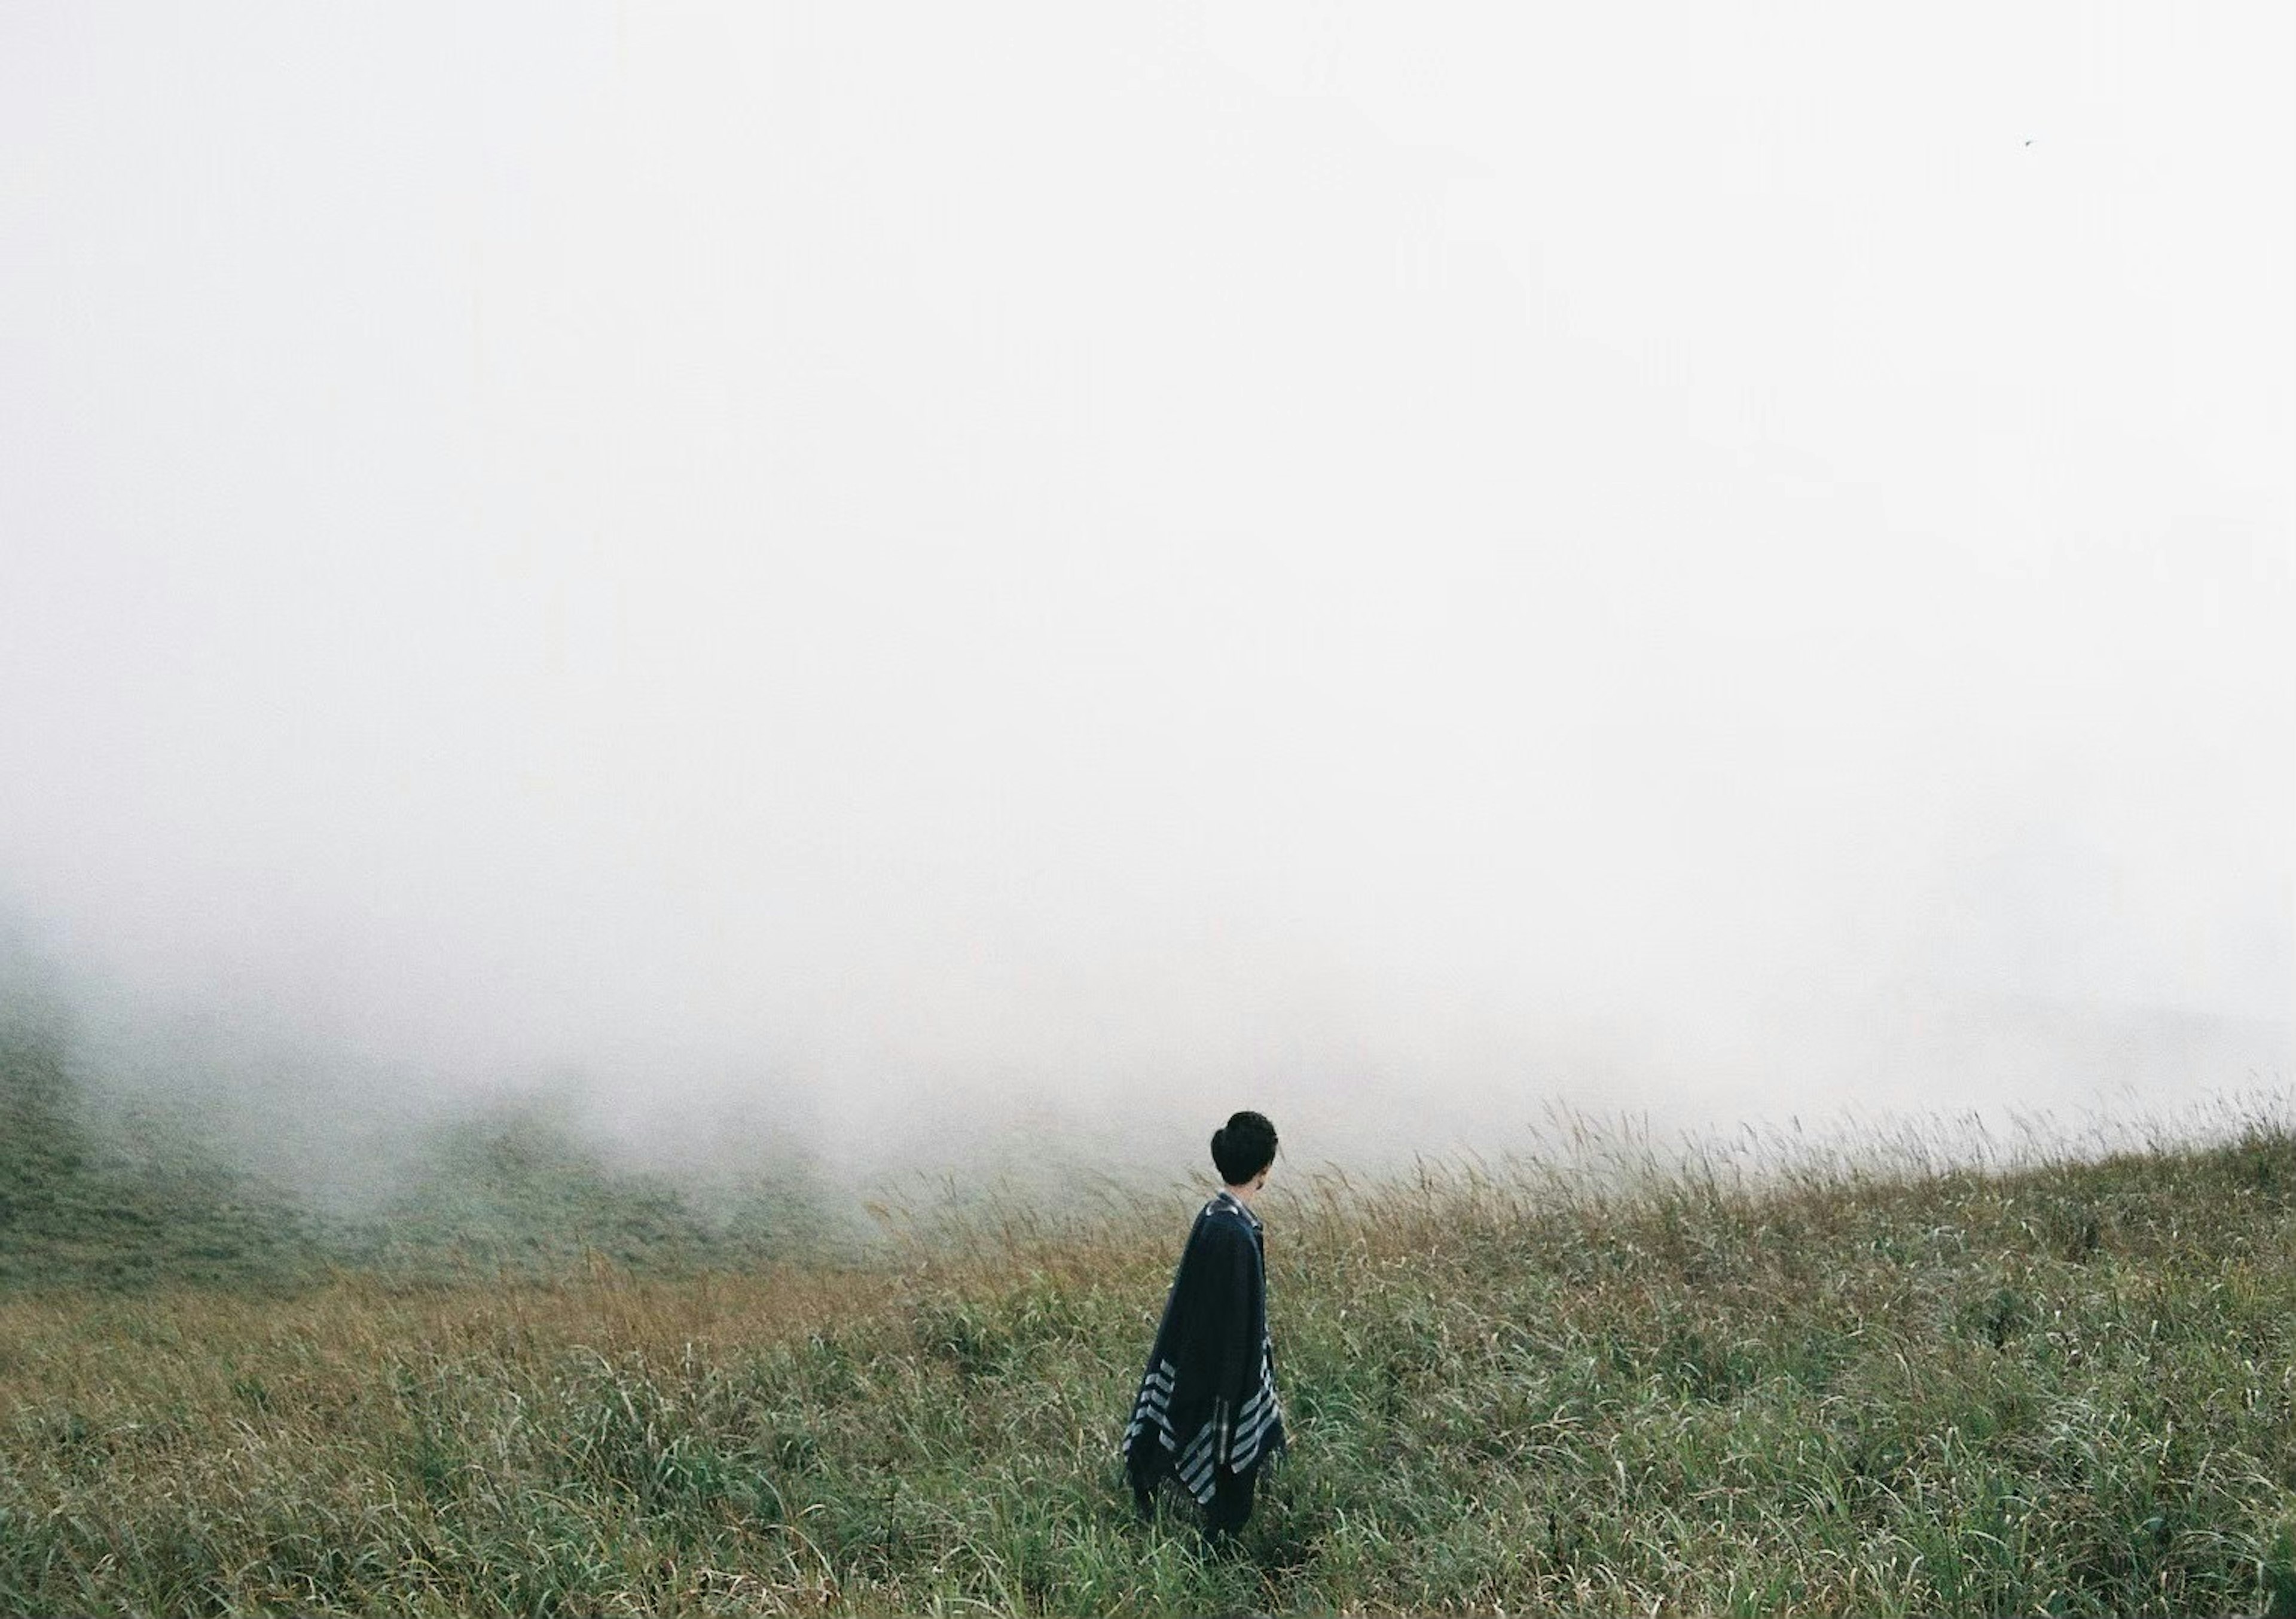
1872	1383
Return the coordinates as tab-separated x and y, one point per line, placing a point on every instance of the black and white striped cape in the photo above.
1207	1404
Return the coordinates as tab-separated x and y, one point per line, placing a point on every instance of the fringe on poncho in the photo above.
1207	1402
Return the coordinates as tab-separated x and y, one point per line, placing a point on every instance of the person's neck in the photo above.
1242	1194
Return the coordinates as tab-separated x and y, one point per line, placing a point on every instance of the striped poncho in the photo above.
1207	1406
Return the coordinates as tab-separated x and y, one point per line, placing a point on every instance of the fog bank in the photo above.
898	578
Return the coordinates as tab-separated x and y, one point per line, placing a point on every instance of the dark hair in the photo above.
1243	1147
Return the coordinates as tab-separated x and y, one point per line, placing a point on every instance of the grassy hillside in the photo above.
85	1206
2066	1388
100	1191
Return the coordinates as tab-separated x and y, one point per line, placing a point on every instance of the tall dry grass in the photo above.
1929	1374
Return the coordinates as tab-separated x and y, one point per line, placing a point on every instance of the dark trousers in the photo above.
1231	1502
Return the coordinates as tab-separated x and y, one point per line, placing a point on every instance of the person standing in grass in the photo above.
1207	1411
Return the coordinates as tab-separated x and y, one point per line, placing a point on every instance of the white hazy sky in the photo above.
1410	561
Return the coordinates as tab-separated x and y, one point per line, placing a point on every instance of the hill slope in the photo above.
2071	1388
79	1207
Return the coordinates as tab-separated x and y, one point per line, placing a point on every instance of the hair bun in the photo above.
1243	1147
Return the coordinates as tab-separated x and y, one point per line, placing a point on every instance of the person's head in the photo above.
1242	1149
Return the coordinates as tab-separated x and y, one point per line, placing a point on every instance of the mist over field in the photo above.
926	582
